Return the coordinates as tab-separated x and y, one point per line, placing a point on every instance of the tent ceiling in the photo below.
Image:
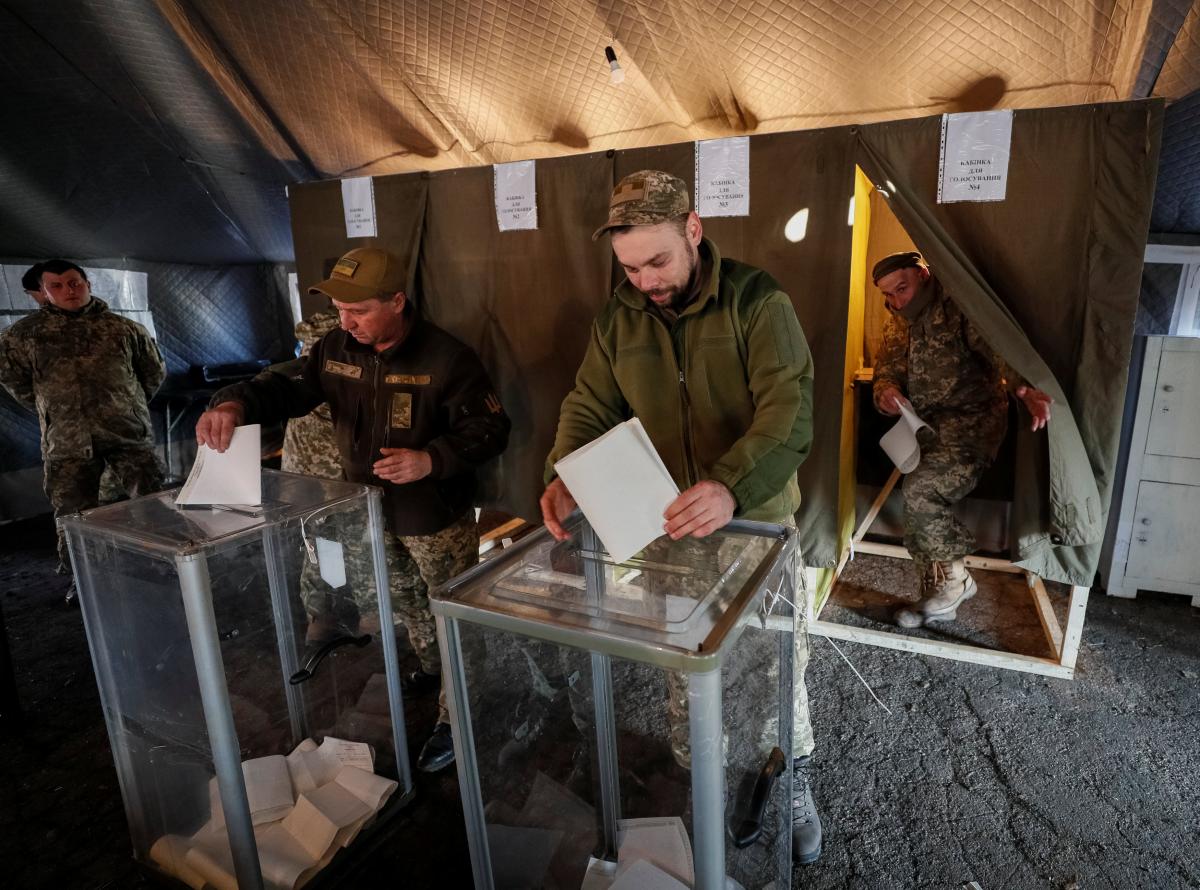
168	128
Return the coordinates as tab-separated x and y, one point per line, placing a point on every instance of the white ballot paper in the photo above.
900	442
234	477
622	487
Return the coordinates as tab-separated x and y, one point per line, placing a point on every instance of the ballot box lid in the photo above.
154	522
682	597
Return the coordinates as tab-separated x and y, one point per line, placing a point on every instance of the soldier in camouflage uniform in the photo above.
414	413
88	374
308	444
958	385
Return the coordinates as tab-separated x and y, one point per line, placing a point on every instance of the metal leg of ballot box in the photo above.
285	634
602	698
708	779
222	734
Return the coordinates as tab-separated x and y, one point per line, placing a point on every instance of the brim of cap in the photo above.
343	291
604	228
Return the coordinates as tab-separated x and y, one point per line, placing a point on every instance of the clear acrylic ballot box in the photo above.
249	679
625	725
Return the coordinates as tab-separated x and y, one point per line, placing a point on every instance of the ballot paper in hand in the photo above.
233	477
622	487
900	442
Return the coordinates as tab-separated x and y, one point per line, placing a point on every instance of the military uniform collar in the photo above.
95	304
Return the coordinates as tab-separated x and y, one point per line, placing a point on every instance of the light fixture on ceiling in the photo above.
616	74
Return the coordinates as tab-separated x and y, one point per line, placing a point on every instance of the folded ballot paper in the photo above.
900	442
305	808
232	477
622	487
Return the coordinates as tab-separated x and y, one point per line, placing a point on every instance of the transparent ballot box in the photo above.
625	725
249	679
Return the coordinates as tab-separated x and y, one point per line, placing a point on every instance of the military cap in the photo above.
645	198
362	274
907	259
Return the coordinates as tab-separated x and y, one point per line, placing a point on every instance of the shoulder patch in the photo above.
354	372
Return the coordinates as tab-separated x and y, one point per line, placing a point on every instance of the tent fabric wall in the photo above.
1050	277
524	300
1068	278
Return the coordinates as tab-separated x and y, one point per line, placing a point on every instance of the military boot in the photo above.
806	821
945	586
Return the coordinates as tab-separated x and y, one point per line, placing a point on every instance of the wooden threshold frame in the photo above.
1063	642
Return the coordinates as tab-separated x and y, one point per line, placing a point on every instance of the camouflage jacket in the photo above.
932	354
88	375
309	446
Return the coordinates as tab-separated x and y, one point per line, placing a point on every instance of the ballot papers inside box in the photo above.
253	706
563	668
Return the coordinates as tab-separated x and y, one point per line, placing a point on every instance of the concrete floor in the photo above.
1008	780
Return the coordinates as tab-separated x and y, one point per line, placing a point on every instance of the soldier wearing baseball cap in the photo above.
709	354
415	414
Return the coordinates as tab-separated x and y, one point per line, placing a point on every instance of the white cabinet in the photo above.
1157	545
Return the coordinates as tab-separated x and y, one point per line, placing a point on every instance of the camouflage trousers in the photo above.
416	564
802	732
953	457
73	484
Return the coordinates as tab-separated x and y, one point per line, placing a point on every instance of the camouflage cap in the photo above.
644	199
361	274
907	259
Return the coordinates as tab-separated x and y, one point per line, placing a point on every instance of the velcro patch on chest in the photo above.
354	372
409	379
401	414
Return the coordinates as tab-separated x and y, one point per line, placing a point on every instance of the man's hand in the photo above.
215	426
557	504
889	401
1038	404
401	465
699	511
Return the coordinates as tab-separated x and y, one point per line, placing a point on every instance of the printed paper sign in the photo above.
358	204
975	152
723	176
516	196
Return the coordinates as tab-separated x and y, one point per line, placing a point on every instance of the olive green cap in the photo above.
362	274
644	199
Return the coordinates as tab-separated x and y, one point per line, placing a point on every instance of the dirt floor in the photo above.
1008	780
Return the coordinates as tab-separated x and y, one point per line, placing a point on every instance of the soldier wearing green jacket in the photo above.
88	374
958	385
709	354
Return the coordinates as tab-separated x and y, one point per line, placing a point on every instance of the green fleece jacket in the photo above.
725	393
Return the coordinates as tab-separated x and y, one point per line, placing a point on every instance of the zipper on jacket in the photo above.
689	459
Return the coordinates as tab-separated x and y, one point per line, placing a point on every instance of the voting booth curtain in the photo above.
1050	275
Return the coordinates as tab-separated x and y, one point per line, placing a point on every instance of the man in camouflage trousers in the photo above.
414	413
708	353
954	380
88	374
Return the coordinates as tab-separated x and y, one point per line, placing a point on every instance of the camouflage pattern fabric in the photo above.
88	376
802	732
957	384
111	489
309	447
416	564
73	484
646	198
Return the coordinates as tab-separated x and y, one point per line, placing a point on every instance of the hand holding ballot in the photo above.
215	426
